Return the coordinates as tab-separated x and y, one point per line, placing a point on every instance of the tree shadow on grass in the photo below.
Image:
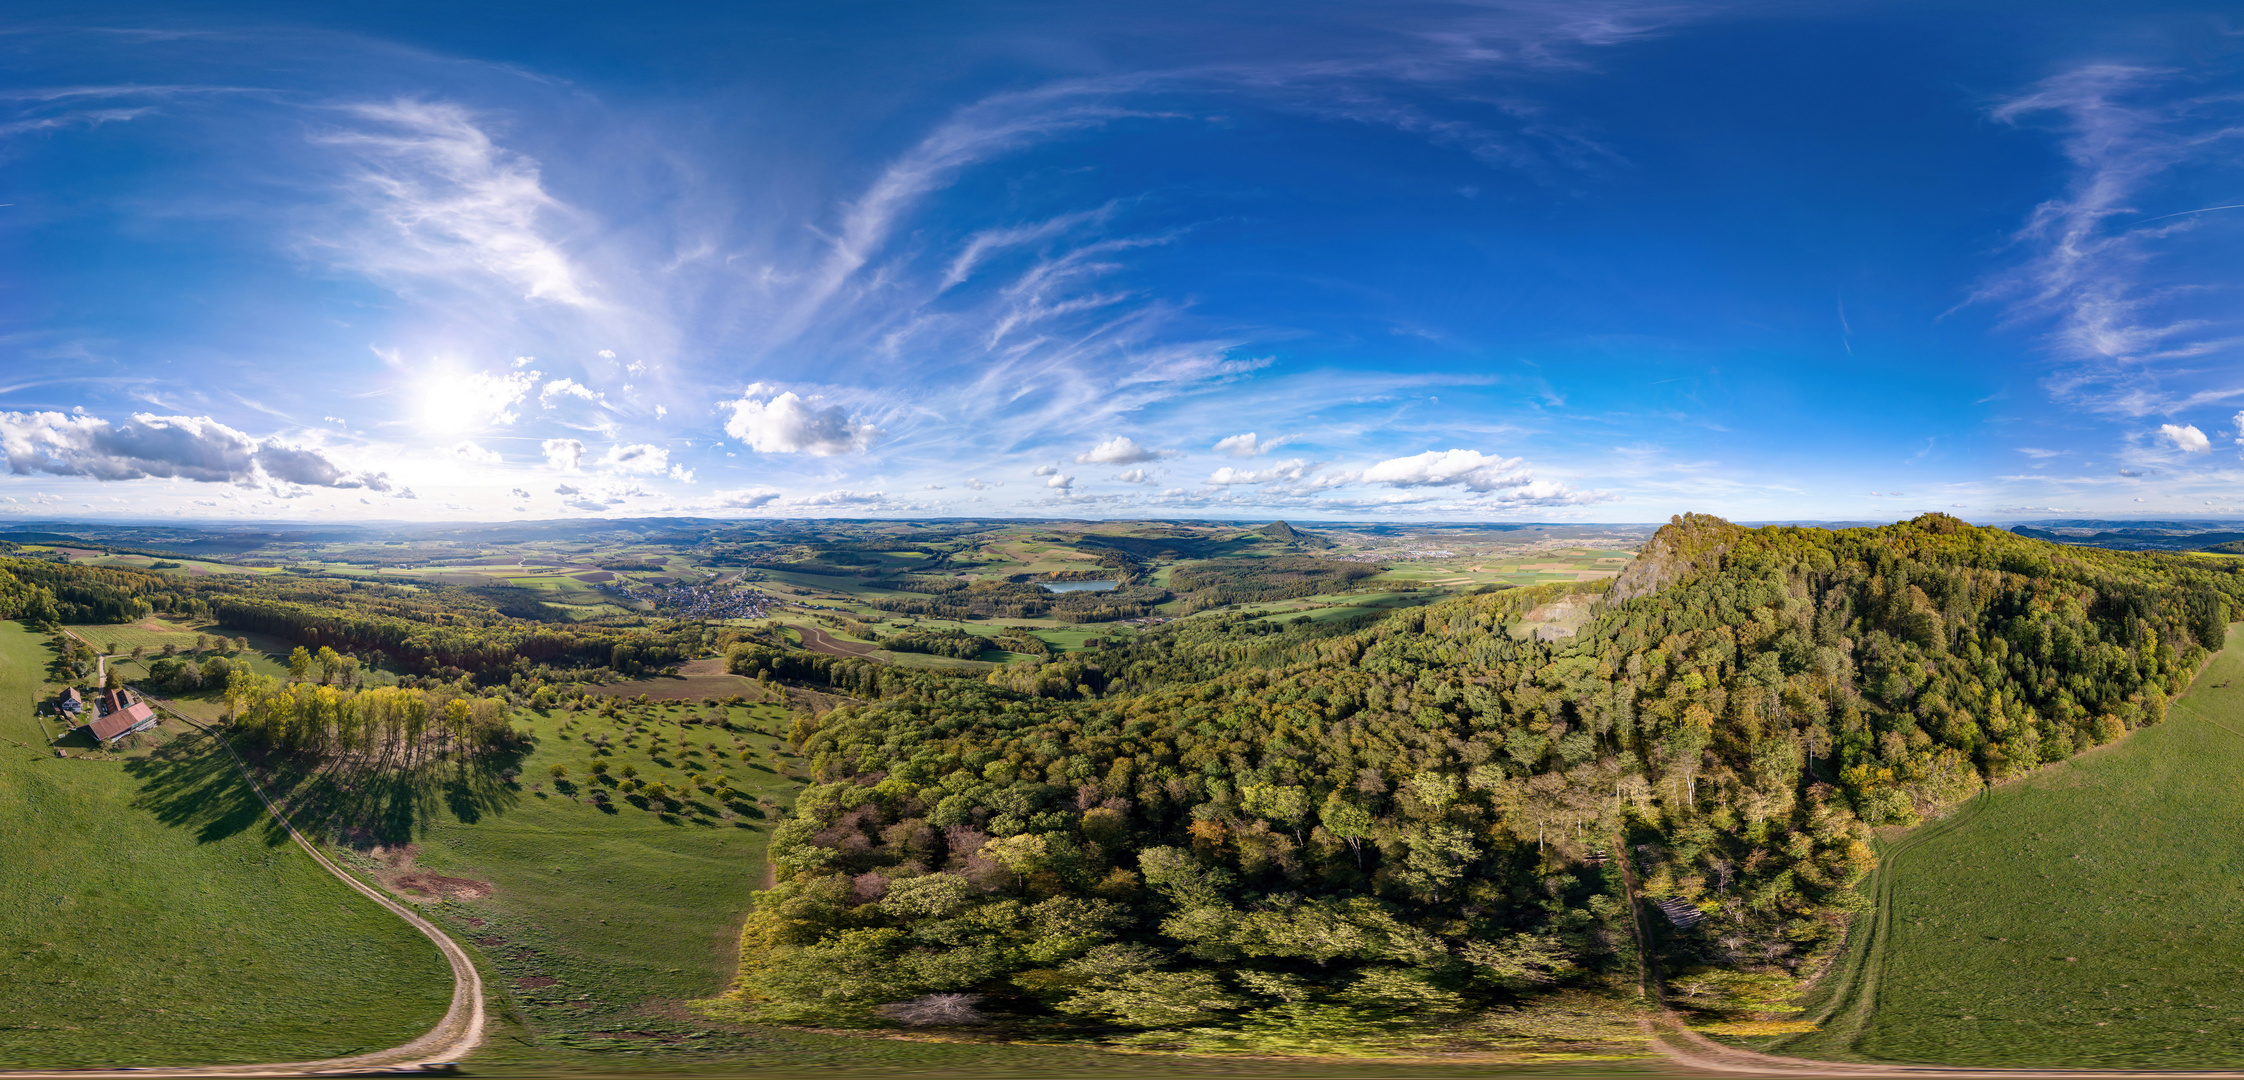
192	781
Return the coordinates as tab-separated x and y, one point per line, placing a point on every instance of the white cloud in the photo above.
468	450
681	474
788	424
635	458
1062	483
661	411
748	498
2122	292
2186	438
183	447
524	361
1507	478
1120	450
1045	470
607	354
1131	476
979	484
440	195
564	489
1284	470
842	498
518	493
565	388
564	454
1248	445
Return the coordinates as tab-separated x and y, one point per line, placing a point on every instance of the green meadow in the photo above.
598	925
2086	916
151	914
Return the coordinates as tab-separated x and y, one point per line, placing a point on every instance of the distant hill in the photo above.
1286	534
2138	536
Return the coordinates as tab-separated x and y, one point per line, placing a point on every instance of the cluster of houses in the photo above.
117	714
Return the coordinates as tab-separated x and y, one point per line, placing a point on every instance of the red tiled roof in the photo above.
121	721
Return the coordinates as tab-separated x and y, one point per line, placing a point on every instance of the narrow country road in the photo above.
453	1037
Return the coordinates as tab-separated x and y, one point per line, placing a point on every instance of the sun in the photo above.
459	403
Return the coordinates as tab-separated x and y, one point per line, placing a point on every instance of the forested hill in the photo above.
1393	829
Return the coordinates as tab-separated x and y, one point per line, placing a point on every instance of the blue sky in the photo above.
1505	261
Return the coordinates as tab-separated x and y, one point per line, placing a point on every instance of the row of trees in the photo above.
381	729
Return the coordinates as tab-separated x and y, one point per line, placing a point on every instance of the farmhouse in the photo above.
120	716
70	702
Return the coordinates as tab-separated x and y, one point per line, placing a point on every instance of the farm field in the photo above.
150	915
2086	916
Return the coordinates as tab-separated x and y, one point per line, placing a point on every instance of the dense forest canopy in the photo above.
1225	829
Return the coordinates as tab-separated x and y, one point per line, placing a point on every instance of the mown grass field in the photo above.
2087	916
150	915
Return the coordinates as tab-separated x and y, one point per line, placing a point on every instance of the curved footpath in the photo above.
459	1032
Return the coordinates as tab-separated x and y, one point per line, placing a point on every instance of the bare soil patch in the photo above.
439	887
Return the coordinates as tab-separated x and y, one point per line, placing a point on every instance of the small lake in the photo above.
1078	586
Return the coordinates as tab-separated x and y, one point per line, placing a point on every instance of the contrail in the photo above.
2207	210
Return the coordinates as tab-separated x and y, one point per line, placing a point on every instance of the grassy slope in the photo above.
2129	860
148	915
600	925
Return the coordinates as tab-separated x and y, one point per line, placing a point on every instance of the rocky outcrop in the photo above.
1686	545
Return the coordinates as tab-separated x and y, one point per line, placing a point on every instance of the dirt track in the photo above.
453	1037
817	640
1696	1052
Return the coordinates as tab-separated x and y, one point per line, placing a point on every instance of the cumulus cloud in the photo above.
980	484
635	458
1284	470
1248	445
566	454
564	489
1131	476
518	493
181	447
681	474
468	450
1045	470
565	388
789	424
1508	479
1063	483
1120	450
748	498
2186	438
